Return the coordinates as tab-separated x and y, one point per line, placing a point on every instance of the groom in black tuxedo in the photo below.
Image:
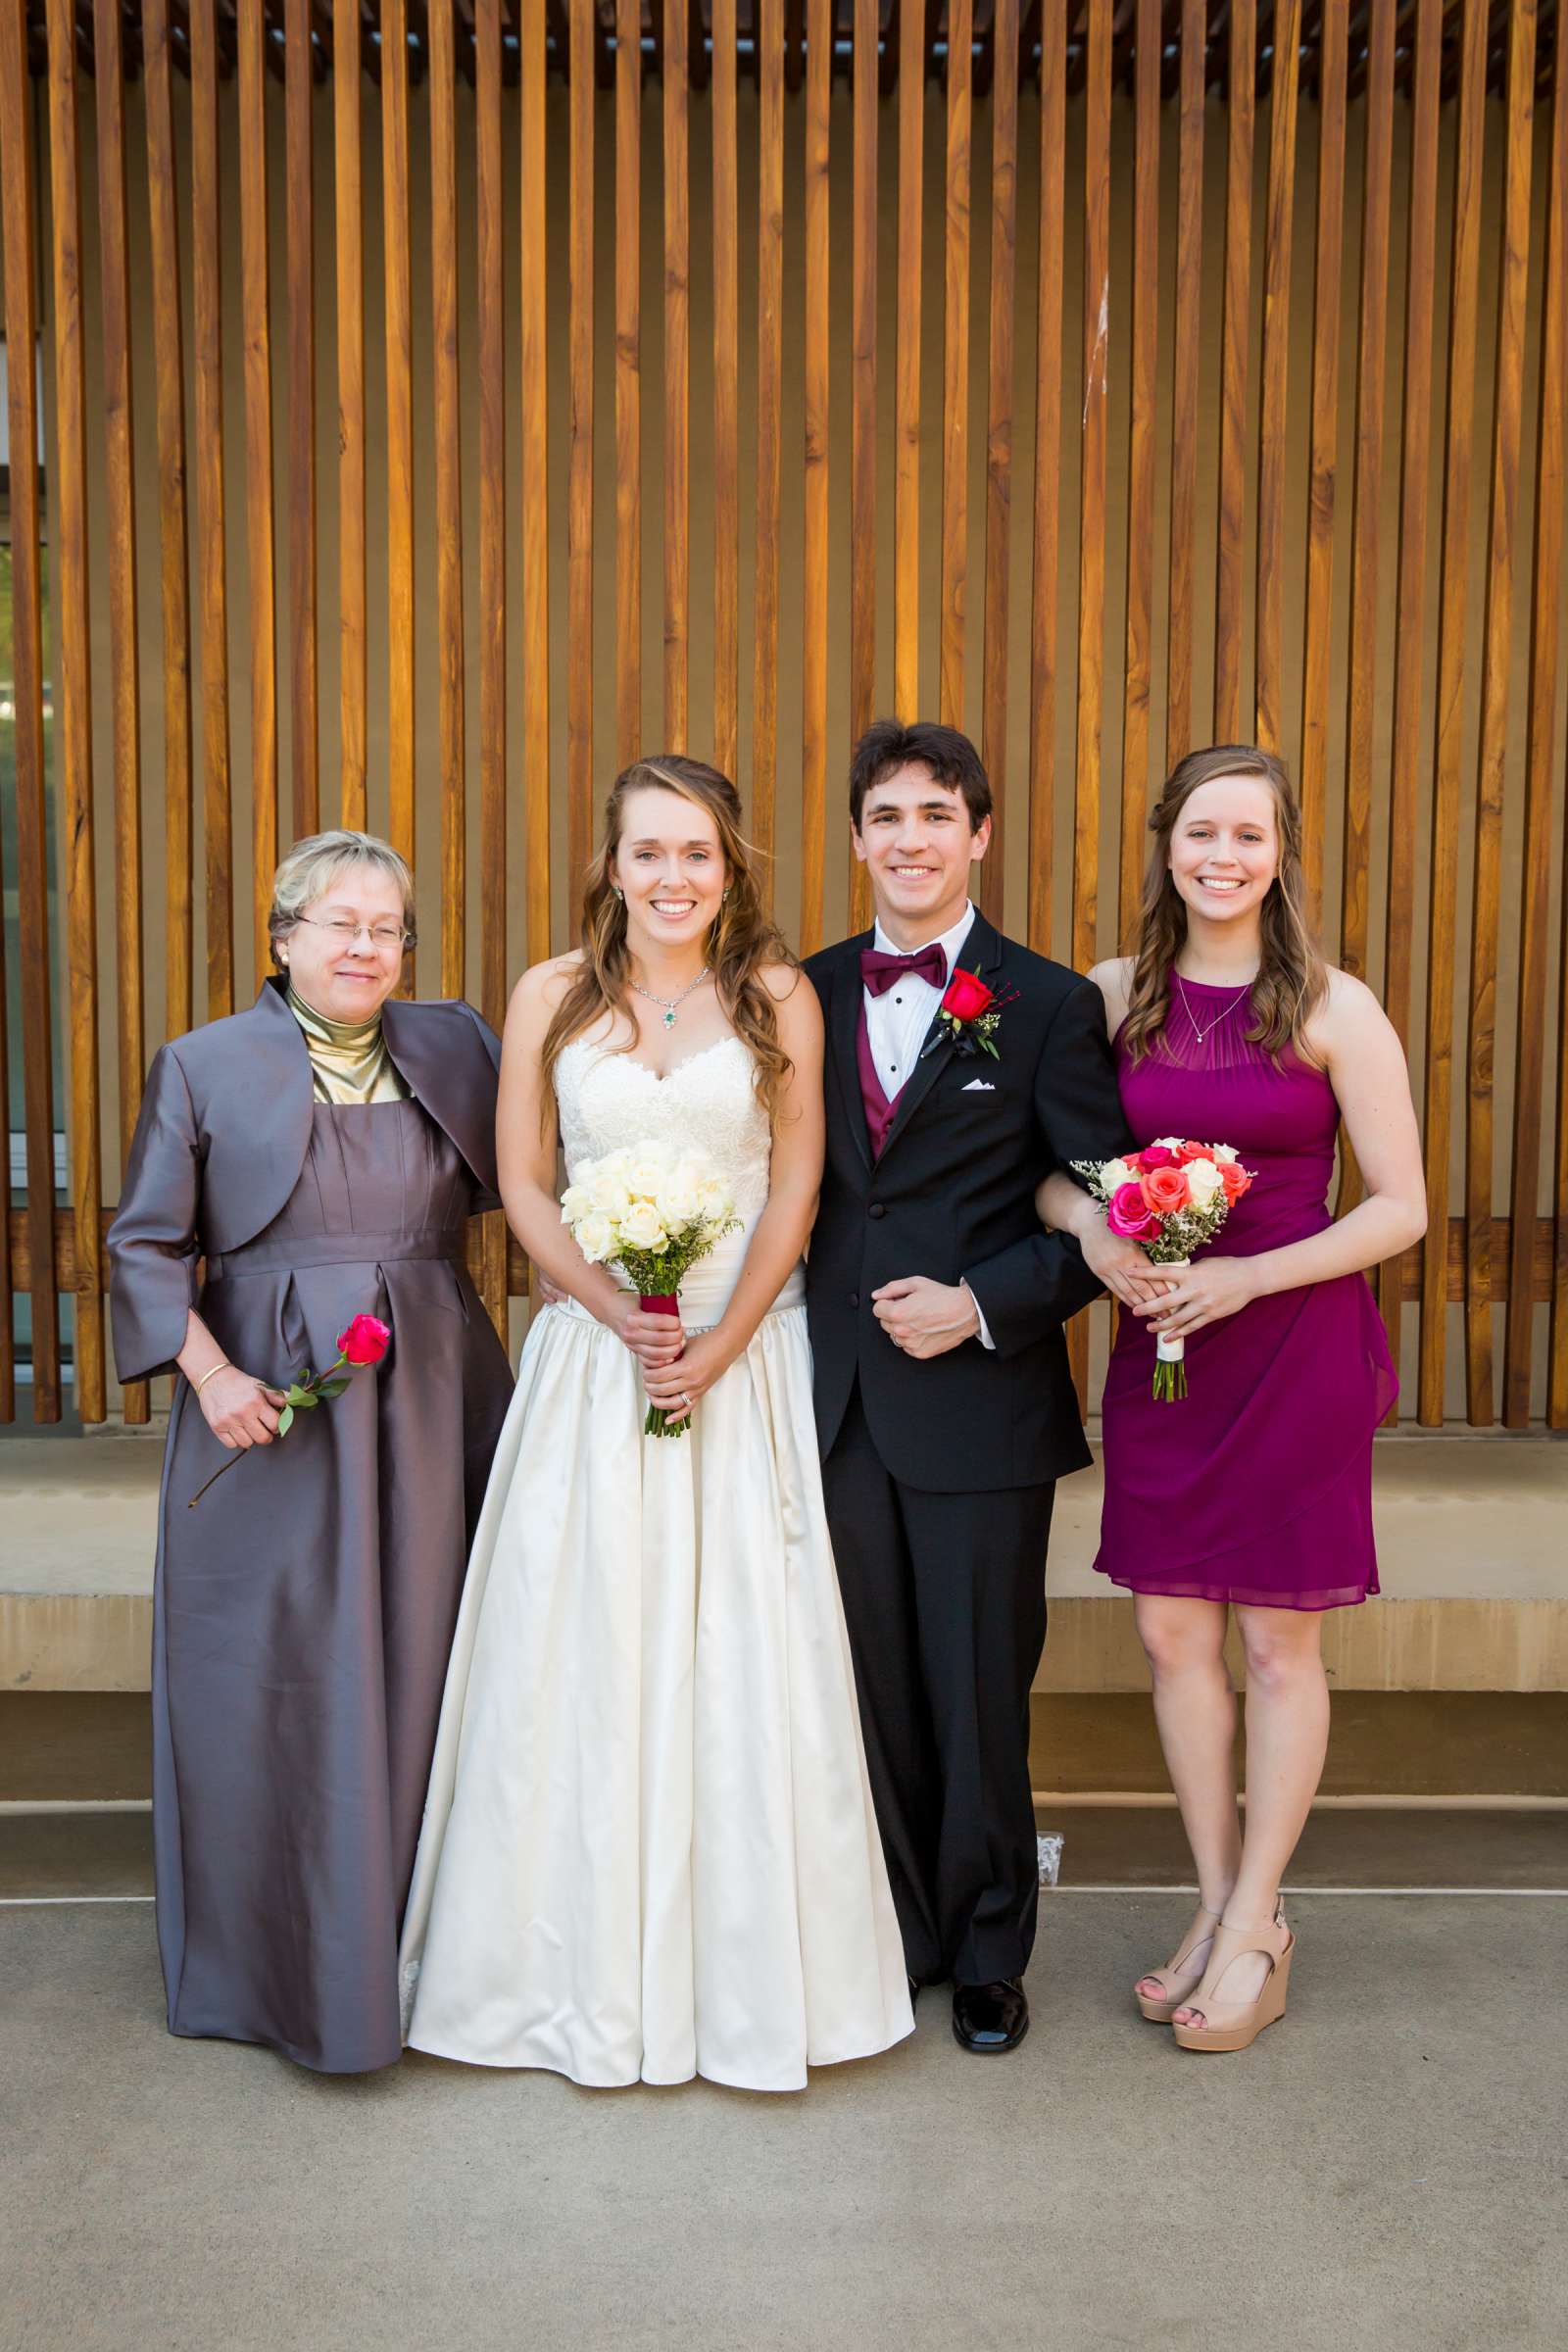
944	1403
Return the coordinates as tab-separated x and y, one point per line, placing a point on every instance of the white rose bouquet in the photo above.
653	1210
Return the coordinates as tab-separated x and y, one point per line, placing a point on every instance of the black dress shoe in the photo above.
914	1990
990	2016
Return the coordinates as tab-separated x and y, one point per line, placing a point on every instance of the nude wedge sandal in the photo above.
1237	2025
1160	2012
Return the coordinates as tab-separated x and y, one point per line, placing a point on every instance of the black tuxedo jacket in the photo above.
952	1197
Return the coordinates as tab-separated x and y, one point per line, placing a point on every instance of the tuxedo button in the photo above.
854	1298
878	1208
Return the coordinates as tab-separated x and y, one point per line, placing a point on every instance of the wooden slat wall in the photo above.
1079	704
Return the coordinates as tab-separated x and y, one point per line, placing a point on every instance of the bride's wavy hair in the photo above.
743	938
1291	977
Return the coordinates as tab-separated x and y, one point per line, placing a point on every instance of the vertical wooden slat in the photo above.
535	489
1316	684
300	213
1272	447
1092	511
1437	1090
956	367
125	659
398	431
444	265
814	563
769	429
1186	362
726	397
677	377
492	578
8	1333
174	576
207	317
350	245
628	384
1230	592
863	408
1048	471
998	438
581	454
1543	722
1137	774
76	708
1371	374
260	558
1491	776
1410	638
18	230
907	362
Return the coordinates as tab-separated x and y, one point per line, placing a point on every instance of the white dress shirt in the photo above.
899	1021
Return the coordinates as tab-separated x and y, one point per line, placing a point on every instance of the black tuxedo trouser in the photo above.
945	1598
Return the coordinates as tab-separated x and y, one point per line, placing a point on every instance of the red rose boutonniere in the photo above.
969	1015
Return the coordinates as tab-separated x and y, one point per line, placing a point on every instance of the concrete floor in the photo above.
1386	2169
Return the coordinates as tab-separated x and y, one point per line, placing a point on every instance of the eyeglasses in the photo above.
381	935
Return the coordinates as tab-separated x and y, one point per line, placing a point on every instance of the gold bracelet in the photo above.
224	1366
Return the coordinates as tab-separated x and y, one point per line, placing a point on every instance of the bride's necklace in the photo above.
670	1003
1222	1014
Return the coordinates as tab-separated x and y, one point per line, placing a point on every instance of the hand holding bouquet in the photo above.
1170	1199
653	1211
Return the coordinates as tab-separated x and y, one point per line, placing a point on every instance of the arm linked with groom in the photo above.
944	1402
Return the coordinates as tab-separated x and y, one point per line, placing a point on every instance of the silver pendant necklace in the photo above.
1202	1033
670	1003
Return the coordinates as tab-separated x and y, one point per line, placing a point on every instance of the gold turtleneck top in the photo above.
349	1060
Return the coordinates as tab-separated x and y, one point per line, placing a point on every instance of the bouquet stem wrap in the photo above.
1171	1350
659	1423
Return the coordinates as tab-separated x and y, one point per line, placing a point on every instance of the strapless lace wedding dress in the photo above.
648	1850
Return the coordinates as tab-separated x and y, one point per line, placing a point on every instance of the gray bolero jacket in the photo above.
222	1137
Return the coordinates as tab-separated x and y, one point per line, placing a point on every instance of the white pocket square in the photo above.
978	1086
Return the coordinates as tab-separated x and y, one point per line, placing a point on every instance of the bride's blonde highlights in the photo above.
742	940
1292	976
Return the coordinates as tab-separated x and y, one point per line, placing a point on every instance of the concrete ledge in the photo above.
1472	1545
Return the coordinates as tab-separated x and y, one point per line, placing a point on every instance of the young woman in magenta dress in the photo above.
1254	1493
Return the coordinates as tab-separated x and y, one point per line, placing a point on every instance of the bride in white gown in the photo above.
648	1850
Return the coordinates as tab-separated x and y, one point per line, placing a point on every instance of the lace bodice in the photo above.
708	1103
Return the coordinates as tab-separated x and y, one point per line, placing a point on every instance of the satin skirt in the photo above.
649	1849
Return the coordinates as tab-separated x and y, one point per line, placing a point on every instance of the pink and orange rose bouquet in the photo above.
1170	1198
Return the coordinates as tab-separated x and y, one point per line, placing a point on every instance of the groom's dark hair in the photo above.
951	758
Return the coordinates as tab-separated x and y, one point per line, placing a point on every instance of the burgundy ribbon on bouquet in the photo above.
662	1422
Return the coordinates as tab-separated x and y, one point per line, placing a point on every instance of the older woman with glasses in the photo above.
312	1159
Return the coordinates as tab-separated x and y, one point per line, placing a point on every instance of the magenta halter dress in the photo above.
1258	1487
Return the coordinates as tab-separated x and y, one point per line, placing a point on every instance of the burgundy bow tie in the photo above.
879	970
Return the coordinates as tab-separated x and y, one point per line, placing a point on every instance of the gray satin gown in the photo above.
304	1608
